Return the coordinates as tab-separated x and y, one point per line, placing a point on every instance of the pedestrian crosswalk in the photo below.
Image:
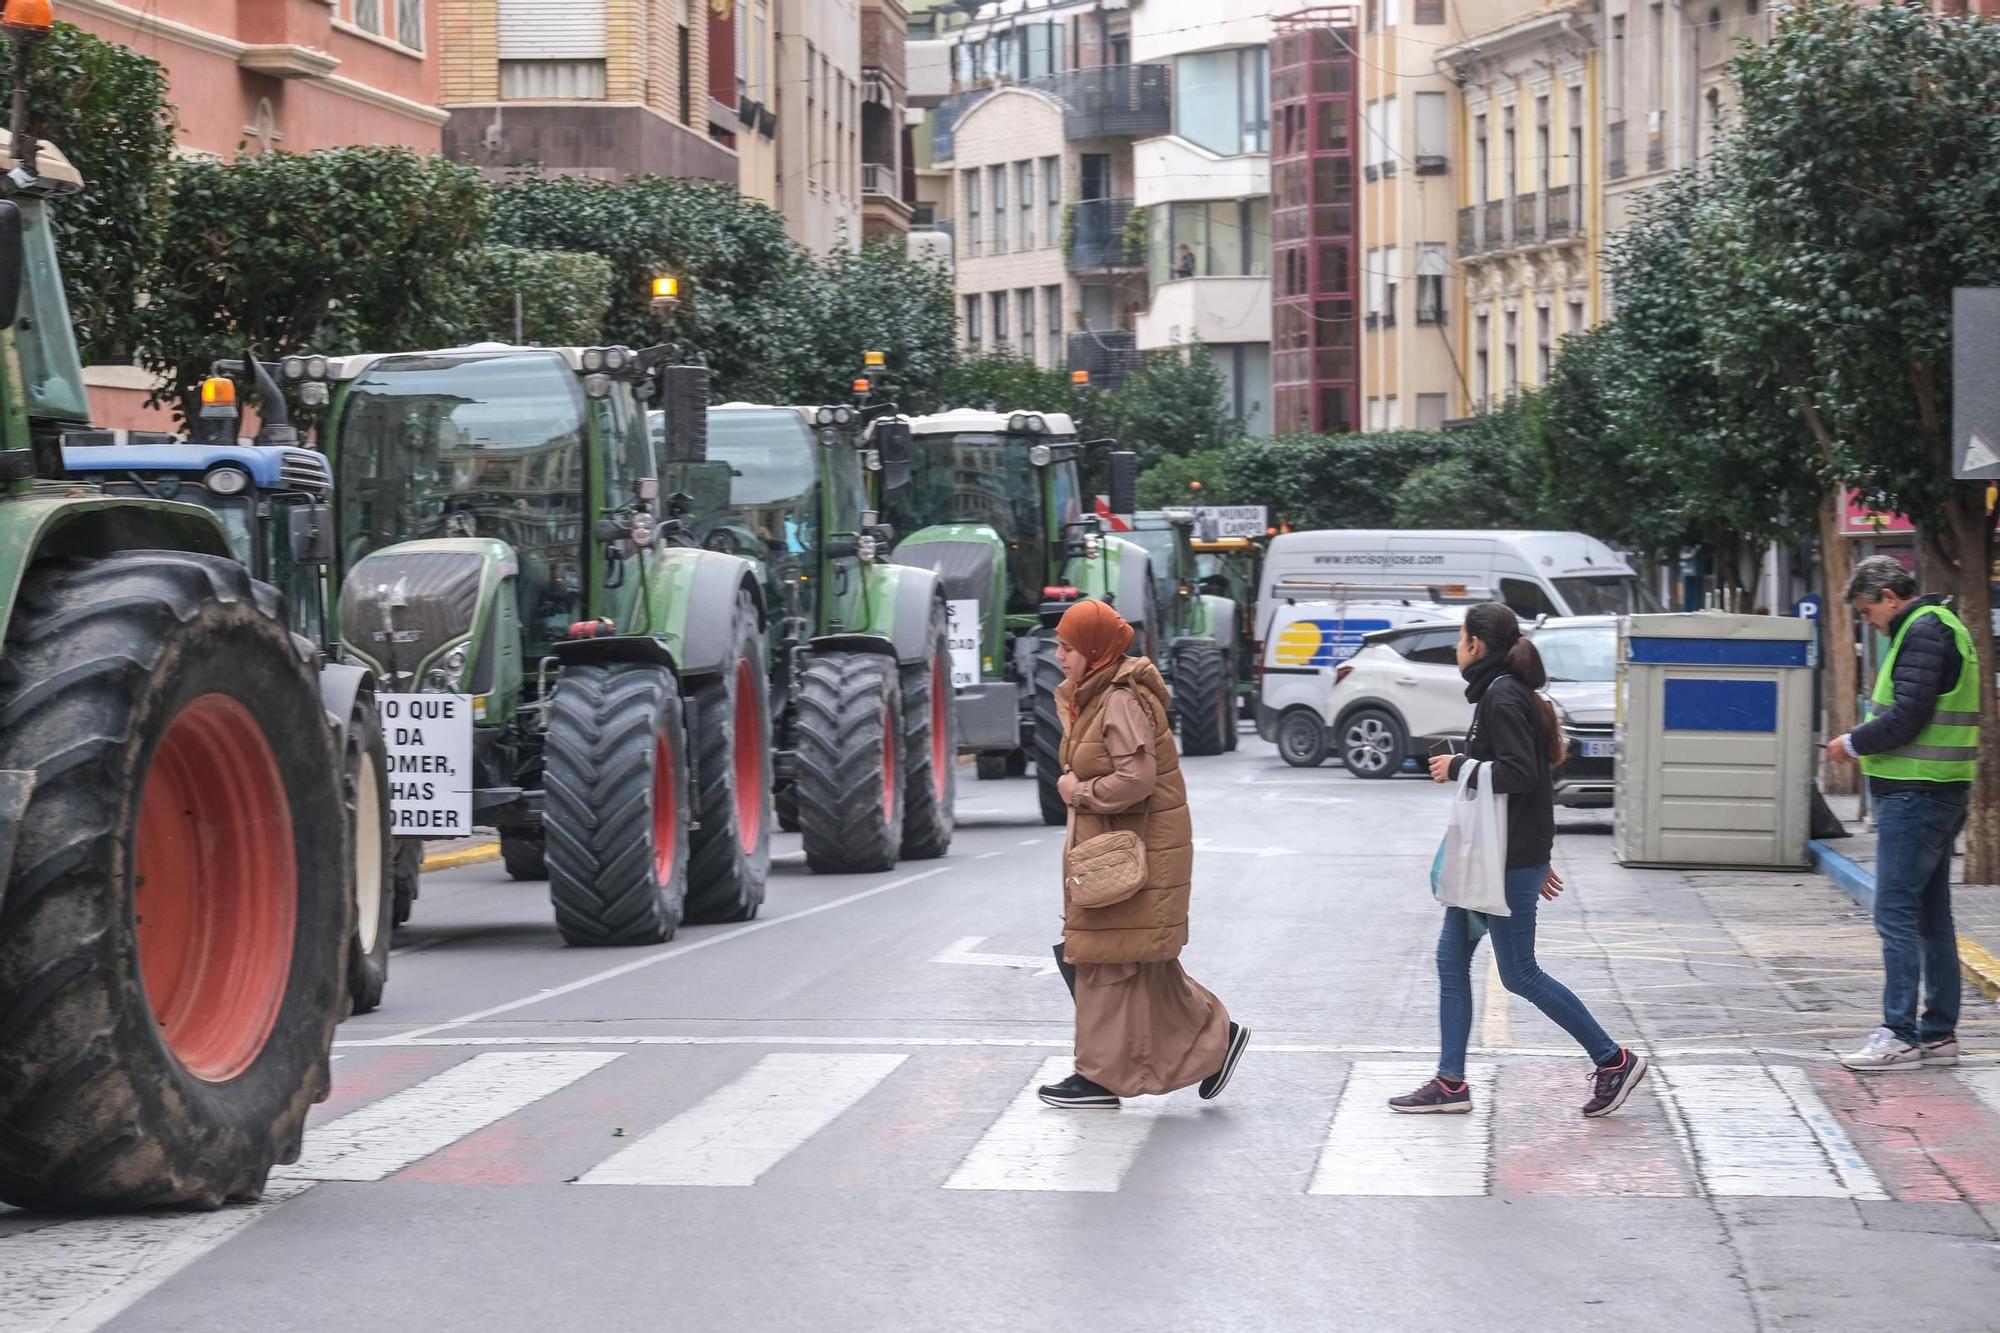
962	1120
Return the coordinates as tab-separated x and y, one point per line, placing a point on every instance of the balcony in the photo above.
1109	357
1468	232
1110	102
1561	225
1525	230
1492	217
1096	236
879	178
1614	150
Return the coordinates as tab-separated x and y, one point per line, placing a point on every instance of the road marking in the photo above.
1985	1085
987	856
1496	1027
1031	842
1762	1131
652	960
961	952
1373	1150
1037	1147
405	1127
742	1130
463	856
1208	845
76	1275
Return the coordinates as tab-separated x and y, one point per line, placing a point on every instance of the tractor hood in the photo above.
405	608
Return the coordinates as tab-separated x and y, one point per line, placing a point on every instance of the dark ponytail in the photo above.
1495	625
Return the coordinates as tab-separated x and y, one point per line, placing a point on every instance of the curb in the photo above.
463	856
1978	966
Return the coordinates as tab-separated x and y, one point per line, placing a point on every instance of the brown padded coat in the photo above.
1152	925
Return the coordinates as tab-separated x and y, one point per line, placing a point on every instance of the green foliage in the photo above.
1166	482
1000	381
1069	227
1133	234
563	295
875	299
1330	481
341	250
1176	403
105	106
1486	477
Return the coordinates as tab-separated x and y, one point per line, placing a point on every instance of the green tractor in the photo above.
992	501
866	749
175	902
507	573
1228	567
1198	633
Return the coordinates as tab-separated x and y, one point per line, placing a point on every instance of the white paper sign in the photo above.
1234	520
429	738
963	636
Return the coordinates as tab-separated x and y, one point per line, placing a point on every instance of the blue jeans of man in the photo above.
1514	946
1914	834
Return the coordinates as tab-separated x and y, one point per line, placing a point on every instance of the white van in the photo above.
1308	641
1536	573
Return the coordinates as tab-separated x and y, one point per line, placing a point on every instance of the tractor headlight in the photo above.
228	481
864	547
1018	423
842	415
593	359
1093	546
616	358
871	459
643	528
1040	455
293	367
1037	424
316	367
823	417
453	662
597	386
314	393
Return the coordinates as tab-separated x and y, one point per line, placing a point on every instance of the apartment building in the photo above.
1529	214
888	180
819	118
755	29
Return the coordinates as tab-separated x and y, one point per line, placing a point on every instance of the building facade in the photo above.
754	26
819	121
1528	214
888	180
602	88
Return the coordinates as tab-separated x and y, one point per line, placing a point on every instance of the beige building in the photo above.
886	181
819	121
1529	213
756	23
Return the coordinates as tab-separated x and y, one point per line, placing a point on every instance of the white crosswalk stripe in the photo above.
749	1126
1037	1147
1763	1132
408	1126
1371	1149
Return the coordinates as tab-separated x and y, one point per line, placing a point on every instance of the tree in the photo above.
1171	480
1866	165
1330	481
340	250
1488	475
106	107
999	381
1175	403
562	295
877	298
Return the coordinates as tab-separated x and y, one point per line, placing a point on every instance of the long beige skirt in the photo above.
1146	1027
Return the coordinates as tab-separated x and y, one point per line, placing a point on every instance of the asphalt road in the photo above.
823	1120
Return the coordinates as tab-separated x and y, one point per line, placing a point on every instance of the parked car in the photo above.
1310	645
1581	654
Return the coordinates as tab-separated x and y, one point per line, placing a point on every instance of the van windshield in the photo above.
1617	595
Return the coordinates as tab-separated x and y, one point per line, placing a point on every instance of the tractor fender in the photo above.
608	648
1131	577
1218	622
341	687
690	599
901	606
84	523
879	644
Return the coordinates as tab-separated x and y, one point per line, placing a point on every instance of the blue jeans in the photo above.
1514	945
1914	836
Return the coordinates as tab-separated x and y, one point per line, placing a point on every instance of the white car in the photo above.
1310	642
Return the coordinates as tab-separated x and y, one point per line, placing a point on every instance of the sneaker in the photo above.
1434	1098
1943	1051
1212	1086
1076	1090
1612	1084
1884	1051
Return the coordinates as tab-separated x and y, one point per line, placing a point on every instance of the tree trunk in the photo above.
1972	533
1837	625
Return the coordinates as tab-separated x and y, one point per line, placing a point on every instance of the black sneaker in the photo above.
1076	1090
1434	1098
1239	1039
1612	1084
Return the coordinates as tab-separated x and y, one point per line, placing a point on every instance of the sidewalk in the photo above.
1850	863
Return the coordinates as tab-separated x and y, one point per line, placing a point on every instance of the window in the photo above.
1228	238
1657	90
972	321
684	68
997	179
763	43
1714	101
368	15
410	23
1371	138
1024	186
1392	413
1371	266
1433	263
1544	352
552	80
1052	309
1527	599
972	232
1482	160
1389	14
1482	362
999	319
1431	408
1428	11
1024	316
1431	647
1542	144
1222	100
1616	96
1576	164
1332	118
1392	262
1433	133
1512	352
1392	137
1508	166
1052	198
1374	417
1576	314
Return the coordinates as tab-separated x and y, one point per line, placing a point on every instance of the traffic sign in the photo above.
1975	383
1235	520
1808	607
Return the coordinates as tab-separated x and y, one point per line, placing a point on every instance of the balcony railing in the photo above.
1656	155
1111	101
1614	150
1525	229
1097	236
1109	357
1468	232
1492	215
880	178
1560	223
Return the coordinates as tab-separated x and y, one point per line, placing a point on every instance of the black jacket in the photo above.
1927	665
1507	730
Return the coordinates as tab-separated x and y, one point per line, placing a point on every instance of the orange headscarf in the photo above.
1098	632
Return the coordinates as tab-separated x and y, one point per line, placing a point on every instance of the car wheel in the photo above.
1302	739
1372	744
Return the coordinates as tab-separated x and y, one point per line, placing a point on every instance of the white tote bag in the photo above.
1472	864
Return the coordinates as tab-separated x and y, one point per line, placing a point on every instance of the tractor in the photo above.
271	498
992	502
175	896
506	565
861	695
1228	567
1197	633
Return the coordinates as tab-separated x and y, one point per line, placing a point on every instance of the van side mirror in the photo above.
1124	482
13	260
892	441
311	534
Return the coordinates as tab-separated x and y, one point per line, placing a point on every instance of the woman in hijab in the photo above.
1142	1024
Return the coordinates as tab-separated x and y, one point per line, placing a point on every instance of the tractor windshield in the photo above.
1159	544
771	474
979	477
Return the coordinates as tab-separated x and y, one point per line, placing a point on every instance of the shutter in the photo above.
552	29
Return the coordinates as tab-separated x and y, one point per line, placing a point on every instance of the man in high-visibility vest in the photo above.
1919	749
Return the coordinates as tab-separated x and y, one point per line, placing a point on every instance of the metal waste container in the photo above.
1715	725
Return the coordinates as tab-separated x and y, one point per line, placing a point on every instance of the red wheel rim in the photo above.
941	754
748	760
215	888
888	763
666	824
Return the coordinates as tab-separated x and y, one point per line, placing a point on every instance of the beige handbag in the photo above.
1106	869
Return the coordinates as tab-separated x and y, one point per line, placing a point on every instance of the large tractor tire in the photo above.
786	802
930	748
1048	733
850	753
405	874
1202	698
615	804
174	934
729	721
524	853
365	784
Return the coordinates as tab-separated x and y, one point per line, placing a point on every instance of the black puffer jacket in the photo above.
1507	730
1927	665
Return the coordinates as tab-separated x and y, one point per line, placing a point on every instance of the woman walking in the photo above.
1142	1024
1514	734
